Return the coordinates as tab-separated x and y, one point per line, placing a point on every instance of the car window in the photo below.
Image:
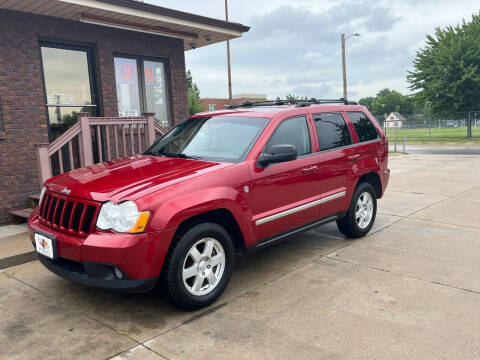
292	131
215	138
366	131
332	131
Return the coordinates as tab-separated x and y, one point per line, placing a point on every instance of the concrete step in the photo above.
34	200
22	214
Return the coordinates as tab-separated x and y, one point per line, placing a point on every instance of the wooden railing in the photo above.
97	139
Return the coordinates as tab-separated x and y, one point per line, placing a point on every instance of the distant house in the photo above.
211	104
394	119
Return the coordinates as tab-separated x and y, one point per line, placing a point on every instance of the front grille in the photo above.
76	216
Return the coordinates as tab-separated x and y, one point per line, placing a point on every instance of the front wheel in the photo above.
361	213
199	266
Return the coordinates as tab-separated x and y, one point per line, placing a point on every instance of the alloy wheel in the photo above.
203	266
364	210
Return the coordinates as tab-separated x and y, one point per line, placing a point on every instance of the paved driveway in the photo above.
410	290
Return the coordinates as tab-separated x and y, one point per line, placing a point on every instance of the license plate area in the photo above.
46	245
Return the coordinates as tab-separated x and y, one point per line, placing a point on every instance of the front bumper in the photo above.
92	260
77	273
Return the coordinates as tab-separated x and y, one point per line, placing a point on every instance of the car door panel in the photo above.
334	161
282	194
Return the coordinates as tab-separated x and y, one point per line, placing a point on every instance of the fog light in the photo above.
118	273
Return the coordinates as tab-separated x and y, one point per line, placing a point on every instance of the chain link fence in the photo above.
430	126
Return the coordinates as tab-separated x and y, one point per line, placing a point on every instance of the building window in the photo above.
211	107
142	87
332	131
70	84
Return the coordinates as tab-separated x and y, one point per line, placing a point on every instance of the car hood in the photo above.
129	178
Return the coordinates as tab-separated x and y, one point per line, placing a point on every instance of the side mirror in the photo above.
278	154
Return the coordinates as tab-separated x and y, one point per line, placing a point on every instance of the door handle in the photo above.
354	157
309	170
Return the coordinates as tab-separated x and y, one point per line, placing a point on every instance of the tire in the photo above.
196	279
353	226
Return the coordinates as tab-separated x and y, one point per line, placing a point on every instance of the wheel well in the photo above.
222	217
374	180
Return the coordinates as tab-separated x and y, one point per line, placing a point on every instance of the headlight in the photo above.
42	192
123	217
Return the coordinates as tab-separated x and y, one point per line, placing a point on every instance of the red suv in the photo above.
218	183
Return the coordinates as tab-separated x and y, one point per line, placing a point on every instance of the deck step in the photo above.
22	214
34	200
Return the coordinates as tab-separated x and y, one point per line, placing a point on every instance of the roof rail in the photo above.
297	103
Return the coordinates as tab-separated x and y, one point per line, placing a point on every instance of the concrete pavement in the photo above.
408	290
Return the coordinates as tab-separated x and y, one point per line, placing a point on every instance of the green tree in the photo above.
387	101
447	70
193	96
368	102
291	96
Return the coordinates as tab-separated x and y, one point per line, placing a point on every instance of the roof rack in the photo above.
297	103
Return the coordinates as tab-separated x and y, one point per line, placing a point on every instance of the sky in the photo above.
294	46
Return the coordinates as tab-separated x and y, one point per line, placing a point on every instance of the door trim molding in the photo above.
300	208
274	239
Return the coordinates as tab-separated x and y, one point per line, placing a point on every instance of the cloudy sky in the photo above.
294	46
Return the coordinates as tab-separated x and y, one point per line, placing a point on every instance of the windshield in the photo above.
217	138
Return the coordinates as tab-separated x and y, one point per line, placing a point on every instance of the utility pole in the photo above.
344	67
344	63
228	58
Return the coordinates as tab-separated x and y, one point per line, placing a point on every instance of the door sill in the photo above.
274	239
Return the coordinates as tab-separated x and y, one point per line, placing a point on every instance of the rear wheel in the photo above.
361	213
199	266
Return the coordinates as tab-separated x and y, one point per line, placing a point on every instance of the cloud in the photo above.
295	46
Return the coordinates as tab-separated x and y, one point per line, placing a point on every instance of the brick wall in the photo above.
22	96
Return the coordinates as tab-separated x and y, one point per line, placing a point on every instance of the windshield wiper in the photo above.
180	155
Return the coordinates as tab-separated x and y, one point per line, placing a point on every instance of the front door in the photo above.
283	194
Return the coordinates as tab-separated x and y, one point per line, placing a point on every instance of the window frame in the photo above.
345	118
307	123
140	59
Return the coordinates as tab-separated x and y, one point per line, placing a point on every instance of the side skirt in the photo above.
274	239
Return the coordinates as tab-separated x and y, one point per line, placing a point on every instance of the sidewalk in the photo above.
437	148
15	246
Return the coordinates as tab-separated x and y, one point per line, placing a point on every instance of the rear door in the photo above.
334	161
283	194
368	139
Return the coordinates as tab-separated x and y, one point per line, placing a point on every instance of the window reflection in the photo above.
156	93
332	131
67	78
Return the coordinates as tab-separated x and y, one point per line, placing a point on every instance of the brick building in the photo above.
111	58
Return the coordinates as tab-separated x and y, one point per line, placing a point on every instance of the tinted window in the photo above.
366	131
332	131
293	131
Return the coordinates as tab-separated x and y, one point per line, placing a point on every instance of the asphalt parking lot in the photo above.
409	290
